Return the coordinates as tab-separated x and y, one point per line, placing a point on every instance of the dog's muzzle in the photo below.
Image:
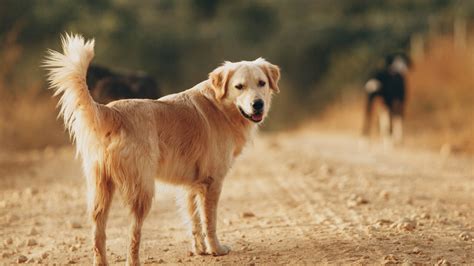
256	117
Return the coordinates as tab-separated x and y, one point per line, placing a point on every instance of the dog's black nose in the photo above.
258	105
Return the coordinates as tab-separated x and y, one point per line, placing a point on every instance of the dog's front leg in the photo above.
209	199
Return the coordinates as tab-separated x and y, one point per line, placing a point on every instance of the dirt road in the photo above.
309	198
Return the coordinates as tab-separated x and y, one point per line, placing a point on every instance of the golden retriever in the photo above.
189	139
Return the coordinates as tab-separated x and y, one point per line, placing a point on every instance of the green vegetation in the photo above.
323	47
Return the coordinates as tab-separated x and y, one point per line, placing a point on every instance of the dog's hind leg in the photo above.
101	190
208	209
385	128
397	129
397	122
139	205
189	208
367	123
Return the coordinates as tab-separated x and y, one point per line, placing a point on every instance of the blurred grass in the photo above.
28	121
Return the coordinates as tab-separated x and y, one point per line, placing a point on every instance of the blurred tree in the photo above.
255	22
205	9
320	45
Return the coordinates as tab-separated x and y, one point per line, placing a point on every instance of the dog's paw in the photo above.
221	250
198	247
195	251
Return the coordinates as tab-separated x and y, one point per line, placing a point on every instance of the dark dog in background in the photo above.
388	85
106	85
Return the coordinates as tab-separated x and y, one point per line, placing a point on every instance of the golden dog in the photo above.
188	139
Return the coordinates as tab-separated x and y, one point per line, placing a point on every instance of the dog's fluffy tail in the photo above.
67	77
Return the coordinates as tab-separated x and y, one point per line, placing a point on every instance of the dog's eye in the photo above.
239	86
261	83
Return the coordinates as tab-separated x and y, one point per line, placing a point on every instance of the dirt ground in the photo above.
293	198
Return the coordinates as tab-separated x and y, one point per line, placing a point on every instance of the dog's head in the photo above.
248	85
398	63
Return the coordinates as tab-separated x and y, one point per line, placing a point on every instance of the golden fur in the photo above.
188	139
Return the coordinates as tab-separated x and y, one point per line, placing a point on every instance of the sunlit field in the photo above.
310	188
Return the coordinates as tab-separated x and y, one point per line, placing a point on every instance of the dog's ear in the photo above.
273	73
219	78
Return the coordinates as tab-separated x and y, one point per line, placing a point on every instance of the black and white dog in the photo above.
388	85
106	85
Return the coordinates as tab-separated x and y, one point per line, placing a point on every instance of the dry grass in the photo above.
440	108
28	121
27	117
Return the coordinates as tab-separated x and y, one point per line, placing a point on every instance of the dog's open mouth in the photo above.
256	118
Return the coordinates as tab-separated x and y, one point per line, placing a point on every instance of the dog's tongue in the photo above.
257	118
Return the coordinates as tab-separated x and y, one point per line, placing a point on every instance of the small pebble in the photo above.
416	250
356	200
382	222
389	259
425	216
443	262
465	236
31	242
33	231
384	194
74	225
21	259
247	215
8	241
31	191
405	224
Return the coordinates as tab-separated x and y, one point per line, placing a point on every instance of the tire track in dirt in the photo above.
289	222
